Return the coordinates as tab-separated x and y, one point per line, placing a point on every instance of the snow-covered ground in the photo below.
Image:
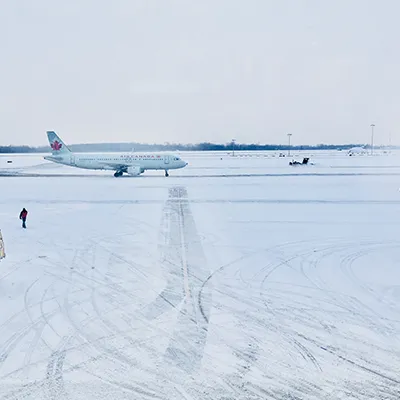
233	279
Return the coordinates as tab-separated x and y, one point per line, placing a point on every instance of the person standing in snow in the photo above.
23	214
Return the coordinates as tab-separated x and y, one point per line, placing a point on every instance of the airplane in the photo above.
130	163
357	150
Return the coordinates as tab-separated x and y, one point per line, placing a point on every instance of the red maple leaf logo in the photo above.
56	145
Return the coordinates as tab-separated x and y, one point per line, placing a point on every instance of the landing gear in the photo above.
166	173
118	173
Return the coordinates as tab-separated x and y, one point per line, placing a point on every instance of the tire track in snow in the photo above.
361	313
355	309
106	289
336	352
186	346
36	324
279	324
54	377
248	350
170	259
54	374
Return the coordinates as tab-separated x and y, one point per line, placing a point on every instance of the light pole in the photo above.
233	147
372	138
289	136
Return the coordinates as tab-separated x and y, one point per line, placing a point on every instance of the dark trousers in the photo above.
23	222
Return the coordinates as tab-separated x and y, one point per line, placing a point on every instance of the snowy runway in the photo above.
248	287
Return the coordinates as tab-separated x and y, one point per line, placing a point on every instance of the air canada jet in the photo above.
357	150
129	163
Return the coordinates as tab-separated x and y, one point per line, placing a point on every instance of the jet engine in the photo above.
135	171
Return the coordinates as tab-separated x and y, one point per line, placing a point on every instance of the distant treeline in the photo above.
19	149
127	147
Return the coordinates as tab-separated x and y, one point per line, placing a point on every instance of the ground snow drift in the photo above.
239	278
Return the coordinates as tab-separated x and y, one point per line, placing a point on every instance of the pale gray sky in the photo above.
204	70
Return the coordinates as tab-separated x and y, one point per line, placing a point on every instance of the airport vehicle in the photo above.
304	162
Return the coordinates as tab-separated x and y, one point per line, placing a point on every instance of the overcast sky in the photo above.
200	70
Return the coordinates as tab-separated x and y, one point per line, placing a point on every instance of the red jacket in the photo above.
23	214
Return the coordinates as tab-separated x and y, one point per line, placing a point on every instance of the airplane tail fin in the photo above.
56	144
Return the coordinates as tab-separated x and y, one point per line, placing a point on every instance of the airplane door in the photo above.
166	159
72	159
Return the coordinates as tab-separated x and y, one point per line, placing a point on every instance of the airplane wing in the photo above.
119	166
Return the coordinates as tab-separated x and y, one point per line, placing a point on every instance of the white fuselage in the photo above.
138	162
357	150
